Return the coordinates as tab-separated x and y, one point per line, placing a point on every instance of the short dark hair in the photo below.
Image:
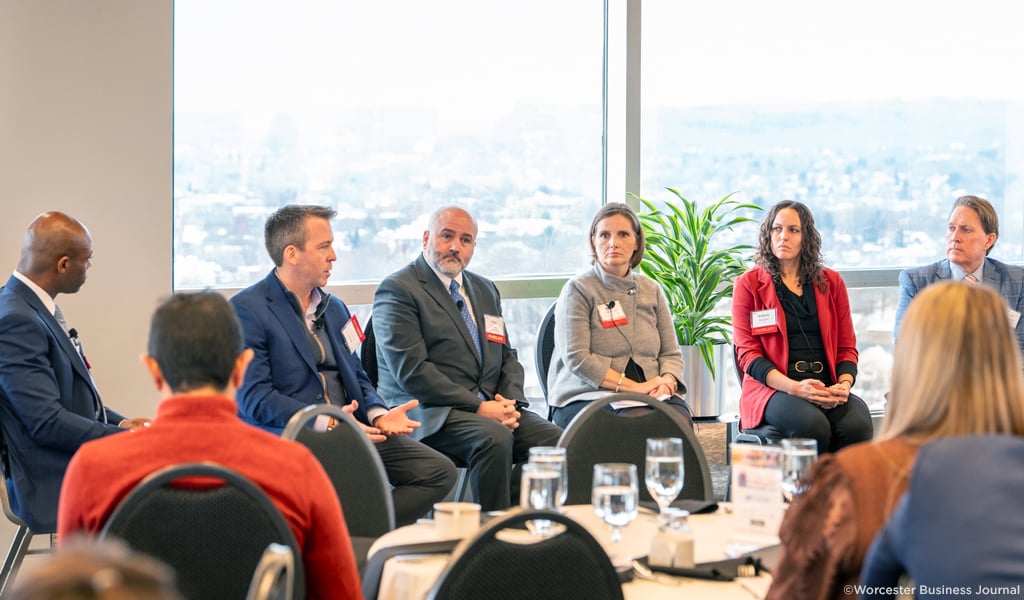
195	338
986	212
618	208
286	226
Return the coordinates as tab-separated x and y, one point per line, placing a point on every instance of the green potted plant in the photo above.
695	274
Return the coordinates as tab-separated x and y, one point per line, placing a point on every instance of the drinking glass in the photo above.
798	454
615	495
553	455
664	472
540	490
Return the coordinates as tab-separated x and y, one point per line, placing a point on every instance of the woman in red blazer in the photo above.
794	337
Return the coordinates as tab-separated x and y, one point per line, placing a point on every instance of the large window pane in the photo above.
386	110
877	115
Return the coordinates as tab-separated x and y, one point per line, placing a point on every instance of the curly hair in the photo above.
811	262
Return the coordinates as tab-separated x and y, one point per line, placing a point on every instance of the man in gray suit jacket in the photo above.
973	230
441	339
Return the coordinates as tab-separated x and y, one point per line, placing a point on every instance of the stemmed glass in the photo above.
798	454
615	495
553	455
664	472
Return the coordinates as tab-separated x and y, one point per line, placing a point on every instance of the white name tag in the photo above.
353	334
764	321
1014	317
611	314
494	328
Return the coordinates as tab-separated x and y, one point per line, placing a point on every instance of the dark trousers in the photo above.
491	450
834	428
420	475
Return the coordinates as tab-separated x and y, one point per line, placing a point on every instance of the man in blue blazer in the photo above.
49	405
450	350
973	230
305	343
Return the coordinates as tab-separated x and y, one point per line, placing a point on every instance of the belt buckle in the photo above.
798	366
817	366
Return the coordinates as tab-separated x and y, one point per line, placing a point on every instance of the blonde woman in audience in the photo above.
96	570
956	372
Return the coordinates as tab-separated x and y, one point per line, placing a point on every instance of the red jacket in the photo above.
755	290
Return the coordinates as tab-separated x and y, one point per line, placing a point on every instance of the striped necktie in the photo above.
970	278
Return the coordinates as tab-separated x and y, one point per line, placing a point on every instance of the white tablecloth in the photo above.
410	577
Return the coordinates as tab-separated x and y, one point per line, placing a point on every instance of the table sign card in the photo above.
756	490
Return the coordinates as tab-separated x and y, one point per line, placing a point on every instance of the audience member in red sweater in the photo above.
197	361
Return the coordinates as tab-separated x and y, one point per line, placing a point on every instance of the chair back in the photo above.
494	565
368	351
352	464
274	578
211	529
597	435
545	348
375	563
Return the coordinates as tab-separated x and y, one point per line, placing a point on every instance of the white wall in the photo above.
85	127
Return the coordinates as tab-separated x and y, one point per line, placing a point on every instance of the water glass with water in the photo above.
553	455
615	495
664	471
798	454
540	489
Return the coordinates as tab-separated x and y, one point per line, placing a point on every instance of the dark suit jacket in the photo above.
282	378
1007	279
425	350
47	405
959	523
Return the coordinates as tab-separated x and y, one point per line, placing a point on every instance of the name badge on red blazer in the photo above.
764	321
494	328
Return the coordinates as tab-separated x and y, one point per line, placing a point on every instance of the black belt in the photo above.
807	366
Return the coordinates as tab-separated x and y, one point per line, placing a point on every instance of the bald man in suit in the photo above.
49	405
441	339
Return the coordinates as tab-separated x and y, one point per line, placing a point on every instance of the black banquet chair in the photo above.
354	468
274	578
543	350
568	564
596	435
762	434
212	529
21	543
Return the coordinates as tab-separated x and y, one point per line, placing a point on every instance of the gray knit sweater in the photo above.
584	350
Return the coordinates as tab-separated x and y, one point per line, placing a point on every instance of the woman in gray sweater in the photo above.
613	329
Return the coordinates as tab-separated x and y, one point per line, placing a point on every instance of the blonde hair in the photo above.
957	369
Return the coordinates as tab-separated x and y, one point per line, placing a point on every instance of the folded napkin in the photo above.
695	507
747	565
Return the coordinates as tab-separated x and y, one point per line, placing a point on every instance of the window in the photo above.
386	110
876	116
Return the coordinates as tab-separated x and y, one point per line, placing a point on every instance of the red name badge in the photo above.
359	329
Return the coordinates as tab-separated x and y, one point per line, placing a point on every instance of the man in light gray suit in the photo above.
441	339
973	230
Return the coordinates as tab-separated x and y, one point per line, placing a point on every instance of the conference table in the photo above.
410	577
